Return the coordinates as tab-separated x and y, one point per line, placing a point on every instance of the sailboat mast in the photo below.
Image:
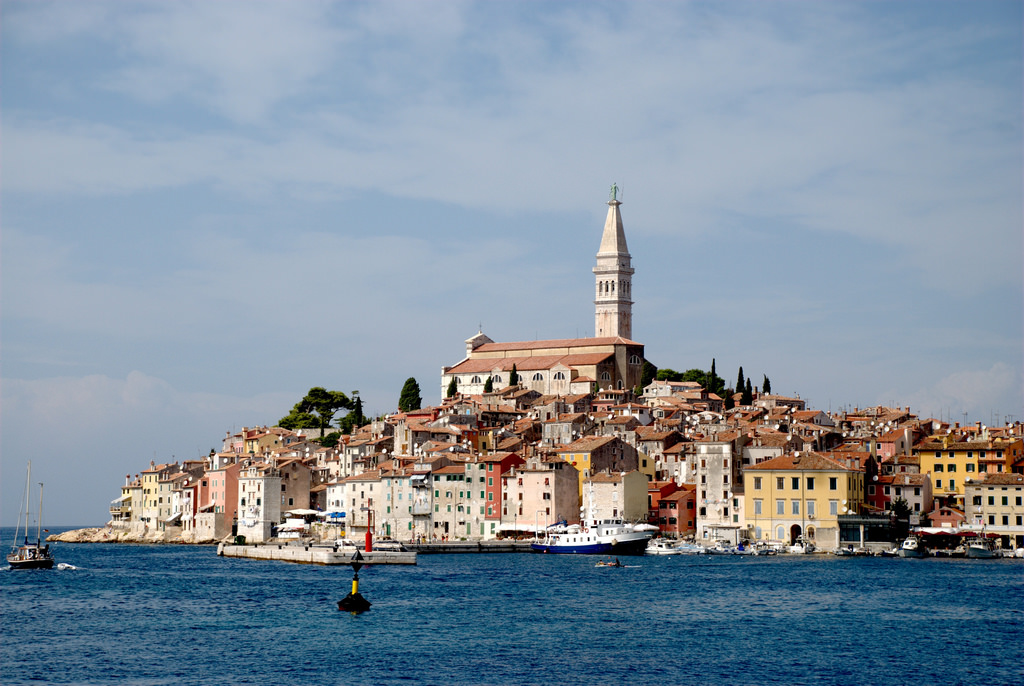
39	523
28	503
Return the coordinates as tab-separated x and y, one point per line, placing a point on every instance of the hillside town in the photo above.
533	433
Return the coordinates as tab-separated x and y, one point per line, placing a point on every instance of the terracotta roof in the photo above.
1003	479
486	365
555	343
804	462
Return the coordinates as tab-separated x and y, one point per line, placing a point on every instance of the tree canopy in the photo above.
513	378
316	410
453	388
410	399
489	385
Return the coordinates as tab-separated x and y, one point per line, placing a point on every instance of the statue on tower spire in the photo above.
614	192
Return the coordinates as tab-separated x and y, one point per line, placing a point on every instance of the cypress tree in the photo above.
489	385
453	388
748	394
513	378
410	398
766	387
740	384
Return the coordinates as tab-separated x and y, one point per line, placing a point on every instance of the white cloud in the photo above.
982	393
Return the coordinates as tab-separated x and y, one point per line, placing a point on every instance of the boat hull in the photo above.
982	553
45	563
573	548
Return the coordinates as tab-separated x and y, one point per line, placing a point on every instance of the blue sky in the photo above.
208	208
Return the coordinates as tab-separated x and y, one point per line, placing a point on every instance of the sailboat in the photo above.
30	555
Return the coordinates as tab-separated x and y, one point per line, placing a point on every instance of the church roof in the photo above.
527	364
555	343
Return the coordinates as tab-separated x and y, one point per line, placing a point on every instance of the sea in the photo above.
176	614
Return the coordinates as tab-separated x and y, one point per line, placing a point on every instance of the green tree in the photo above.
323	405
410	399
729	401
648	373
766	387
748	394
489	385
740	383
453	388
330	440
696	376
668	375
513	378
297	419
715	384
354	419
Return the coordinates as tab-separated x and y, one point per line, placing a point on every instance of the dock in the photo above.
312	554
446	547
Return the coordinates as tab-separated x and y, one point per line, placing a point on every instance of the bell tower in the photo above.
613	275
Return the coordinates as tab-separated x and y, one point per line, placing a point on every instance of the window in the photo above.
490	481
833	483
833	507
780	482
1006	501
795	507
796	483
977	501
951	468
938	468
810	483
605	376
538	377
810	508
885	489
635	359
757	483
938	483
475	379
780	507
871	489
757	506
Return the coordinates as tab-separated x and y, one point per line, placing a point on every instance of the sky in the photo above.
208	208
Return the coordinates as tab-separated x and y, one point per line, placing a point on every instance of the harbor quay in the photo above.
327	554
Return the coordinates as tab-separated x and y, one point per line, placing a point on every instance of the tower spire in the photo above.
613	306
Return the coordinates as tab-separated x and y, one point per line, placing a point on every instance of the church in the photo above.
609	360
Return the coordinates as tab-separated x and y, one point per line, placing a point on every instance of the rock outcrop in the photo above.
105	534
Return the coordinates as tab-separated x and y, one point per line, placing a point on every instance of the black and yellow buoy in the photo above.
354	602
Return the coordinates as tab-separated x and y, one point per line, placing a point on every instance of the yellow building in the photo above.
802	494
952	462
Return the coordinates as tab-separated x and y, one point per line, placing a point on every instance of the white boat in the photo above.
687	548
801	547
29	555
661	546
597	537
984	548
912	547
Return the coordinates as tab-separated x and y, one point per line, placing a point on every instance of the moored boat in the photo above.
597	537
982	548
29	555
661	546
912	547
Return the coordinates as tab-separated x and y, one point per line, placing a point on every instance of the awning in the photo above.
207	508
120	500
172	519
332	515
301	513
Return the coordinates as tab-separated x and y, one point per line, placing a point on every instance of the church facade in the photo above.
609	360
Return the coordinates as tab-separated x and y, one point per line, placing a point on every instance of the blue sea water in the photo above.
132	614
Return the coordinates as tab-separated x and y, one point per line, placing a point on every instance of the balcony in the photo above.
421	509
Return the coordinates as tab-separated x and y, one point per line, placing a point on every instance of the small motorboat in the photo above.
661	546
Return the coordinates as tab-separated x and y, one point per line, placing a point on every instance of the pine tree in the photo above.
766	387
740	383
410	398
453	388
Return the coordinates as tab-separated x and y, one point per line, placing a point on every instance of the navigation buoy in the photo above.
354	602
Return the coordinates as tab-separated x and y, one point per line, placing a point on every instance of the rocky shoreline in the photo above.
103	534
